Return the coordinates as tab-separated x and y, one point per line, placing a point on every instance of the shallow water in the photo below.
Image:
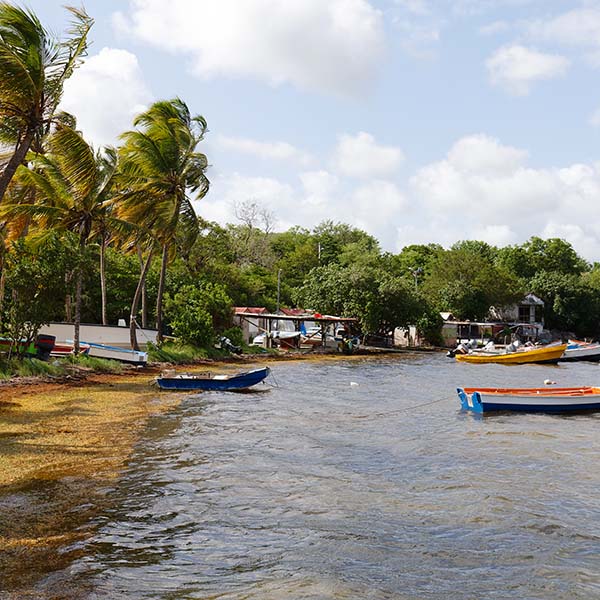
323	489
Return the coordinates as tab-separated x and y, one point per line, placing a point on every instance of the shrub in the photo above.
196	313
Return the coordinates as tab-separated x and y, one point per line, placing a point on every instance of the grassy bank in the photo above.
32	367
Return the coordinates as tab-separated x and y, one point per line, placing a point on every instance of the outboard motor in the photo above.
460	349
226	343
44	344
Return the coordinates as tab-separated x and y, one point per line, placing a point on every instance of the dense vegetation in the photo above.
97	235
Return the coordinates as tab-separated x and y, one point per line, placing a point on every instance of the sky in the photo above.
417	121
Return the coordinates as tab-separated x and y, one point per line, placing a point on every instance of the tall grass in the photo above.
32	367
175	353
27	367
99	365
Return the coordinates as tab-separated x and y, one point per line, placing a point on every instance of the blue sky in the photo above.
416	120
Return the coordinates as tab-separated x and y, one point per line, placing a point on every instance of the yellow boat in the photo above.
545	354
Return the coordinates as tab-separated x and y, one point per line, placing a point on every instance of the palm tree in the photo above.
33	68
159	166
72	187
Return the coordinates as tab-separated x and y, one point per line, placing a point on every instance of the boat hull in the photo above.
131	357
221	383
589	353
554	400
546	355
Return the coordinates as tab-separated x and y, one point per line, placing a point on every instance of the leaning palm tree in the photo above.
33	68
159	167
71	188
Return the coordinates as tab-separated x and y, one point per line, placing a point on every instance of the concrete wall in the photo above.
99	334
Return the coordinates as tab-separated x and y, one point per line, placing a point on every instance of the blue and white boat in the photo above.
212	382
550	400
124	355
579	351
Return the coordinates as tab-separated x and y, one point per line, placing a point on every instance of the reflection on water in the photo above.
321	489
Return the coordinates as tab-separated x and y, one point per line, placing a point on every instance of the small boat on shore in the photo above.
536	355
212	382
62	349
124	355
551	400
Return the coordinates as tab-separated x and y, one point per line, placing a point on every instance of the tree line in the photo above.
98	235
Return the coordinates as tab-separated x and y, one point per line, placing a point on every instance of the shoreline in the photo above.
63	446
83	376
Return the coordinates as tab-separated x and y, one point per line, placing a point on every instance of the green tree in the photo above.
197	313
71	186
33	69
332	238
160	165
380	301
536	255
571	303
466	282
33	279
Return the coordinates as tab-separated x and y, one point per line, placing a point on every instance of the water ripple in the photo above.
324	490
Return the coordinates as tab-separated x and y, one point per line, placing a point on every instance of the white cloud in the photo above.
265	150
230	191
515	68
377	204
105	93
498	235
485	155
361	156
319	187
484	190
579	27
480	177
333	46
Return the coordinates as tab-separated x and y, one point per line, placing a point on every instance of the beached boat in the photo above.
577	351
67	348
482	400
212	382
124	355
544	354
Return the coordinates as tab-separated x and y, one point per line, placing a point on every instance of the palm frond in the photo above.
75	159
69	55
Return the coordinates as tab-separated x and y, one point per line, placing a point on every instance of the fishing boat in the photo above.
124	355
212	382
67	348
538	355
577	351
553	400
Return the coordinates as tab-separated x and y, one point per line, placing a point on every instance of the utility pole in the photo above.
415	273
278	288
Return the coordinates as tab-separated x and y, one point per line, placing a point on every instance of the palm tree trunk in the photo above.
136	301
103	278
15	160
144	294
161	290
78	292
68	303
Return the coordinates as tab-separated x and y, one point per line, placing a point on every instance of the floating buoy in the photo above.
353	383
549	382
